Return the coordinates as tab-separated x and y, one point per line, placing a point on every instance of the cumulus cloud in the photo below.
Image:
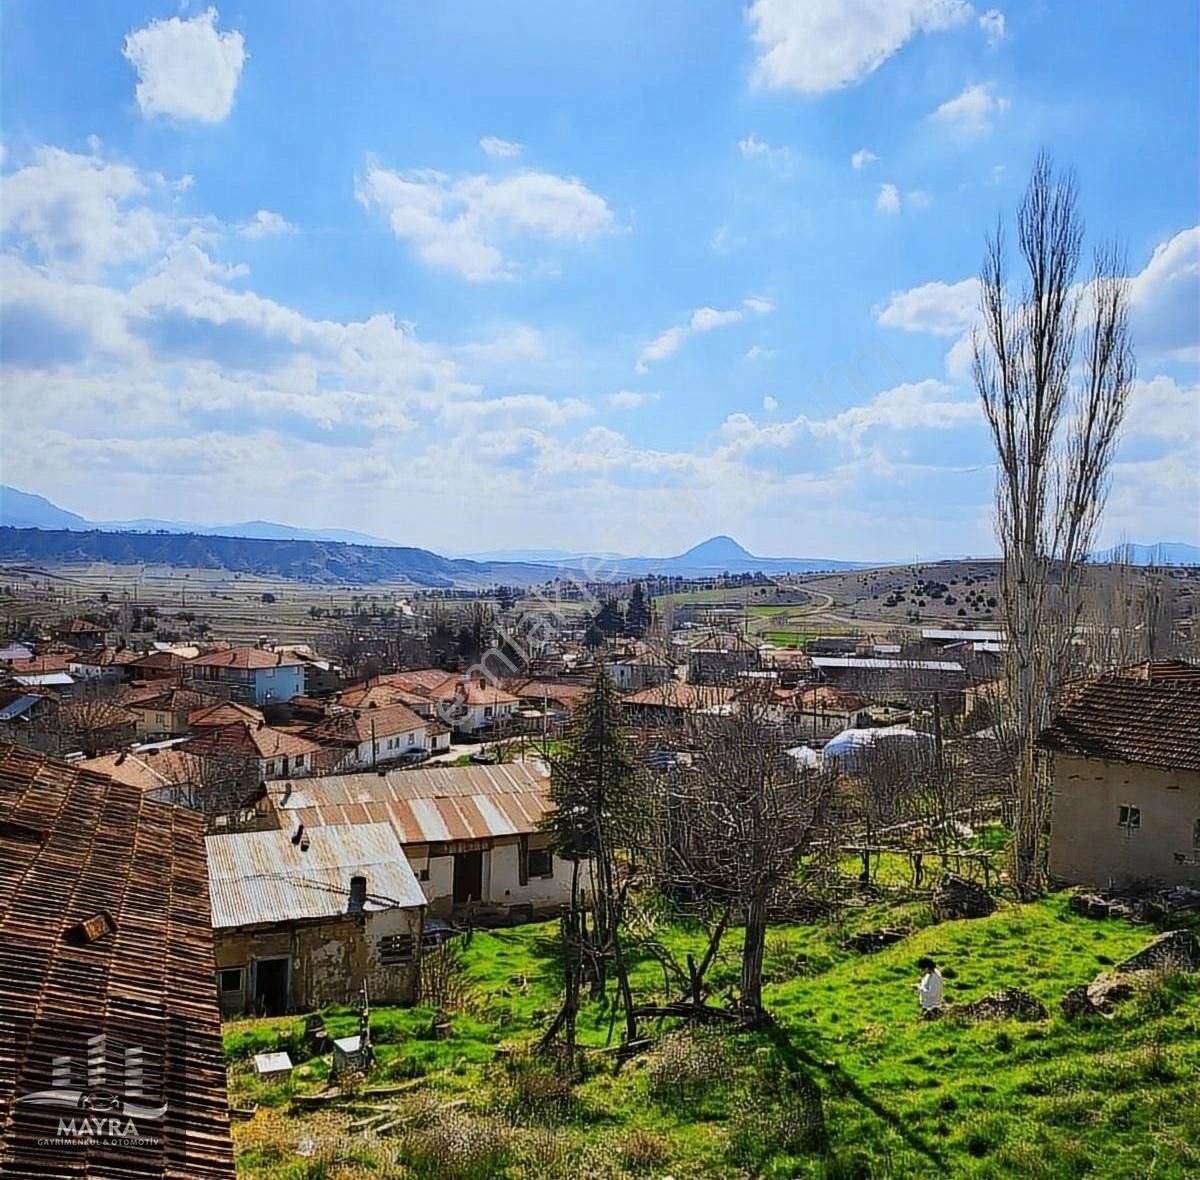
1165	299
819	45
703	319
862	158
500	149
186	69
770	404
940	309
780	159
973	111
888	200
264	224
81	214
463	224
628	399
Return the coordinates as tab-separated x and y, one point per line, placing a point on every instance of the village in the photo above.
344	832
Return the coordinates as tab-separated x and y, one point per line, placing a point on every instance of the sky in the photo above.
592	276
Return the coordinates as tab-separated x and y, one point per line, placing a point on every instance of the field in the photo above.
1117	1098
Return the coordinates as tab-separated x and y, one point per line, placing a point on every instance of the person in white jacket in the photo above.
929	990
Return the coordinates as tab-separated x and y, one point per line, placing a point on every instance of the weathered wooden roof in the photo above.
105	930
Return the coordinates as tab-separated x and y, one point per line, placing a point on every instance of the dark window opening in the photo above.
1129	816
232	979
396	948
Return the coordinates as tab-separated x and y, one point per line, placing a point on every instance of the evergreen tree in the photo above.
637	614
609	618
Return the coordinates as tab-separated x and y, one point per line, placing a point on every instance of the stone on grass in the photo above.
956	897
1173	950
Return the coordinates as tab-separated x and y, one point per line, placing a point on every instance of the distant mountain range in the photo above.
24	510
34	529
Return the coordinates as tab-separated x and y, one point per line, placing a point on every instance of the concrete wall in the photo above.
1089	846
329	959
280	683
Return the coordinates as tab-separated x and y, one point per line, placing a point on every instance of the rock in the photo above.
1077	1003
1108	989
1010	1003
956	897
1173	950
869	941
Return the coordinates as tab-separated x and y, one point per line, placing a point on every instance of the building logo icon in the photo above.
104	1101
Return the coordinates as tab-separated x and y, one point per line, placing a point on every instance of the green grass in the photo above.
1116	1098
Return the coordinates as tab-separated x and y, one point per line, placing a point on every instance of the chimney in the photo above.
358	894
297	834
287	792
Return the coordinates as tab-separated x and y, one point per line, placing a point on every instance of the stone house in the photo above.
1125	761
304	918
721	657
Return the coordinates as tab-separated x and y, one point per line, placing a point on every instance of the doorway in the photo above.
468	877
271	978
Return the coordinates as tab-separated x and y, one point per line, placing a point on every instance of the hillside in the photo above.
329	562
998	1099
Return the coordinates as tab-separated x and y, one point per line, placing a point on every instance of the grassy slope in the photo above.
1115	1099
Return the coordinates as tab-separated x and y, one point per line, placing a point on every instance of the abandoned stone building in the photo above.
305	918
1125	760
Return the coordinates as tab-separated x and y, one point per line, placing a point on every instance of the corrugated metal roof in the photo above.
425	806
19	706
263	877
871	665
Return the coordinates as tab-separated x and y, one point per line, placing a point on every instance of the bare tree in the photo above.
738	823
1053	366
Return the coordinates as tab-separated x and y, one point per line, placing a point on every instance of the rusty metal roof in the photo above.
426	806
75	847
289	875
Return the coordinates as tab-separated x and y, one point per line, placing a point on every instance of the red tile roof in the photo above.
105	929
148	770
1121	719
244	658
363	725
674	694
252	741
220	713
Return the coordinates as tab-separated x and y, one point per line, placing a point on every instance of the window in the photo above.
232	979
423	874
534	862
396	948
1129	817
488	710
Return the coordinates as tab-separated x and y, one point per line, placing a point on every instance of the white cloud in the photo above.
779	158
513	343
79	213
918	199
819	45
520	409
757	352
992	24
940	309
888	200
972	111
500	149
1162	409
461	224
628	399
186	69
1165	299
264	224
770	404
862	158
703	319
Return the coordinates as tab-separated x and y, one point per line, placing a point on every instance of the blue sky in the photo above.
608	275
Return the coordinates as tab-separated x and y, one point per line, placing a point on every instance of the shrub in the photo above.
780	1113
537	1090
643	1149
688	1062
458	1146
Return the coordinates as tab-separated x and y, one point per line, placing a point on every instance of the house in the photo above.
159	665
633	665
887	678
320	676
382	691
162	772
218	713
471	706
274	753
471	833
304	917
79	634
15	651
252	675
102	664
669	705
167	715
362	739
720	657
23	713
1125	763
107	979
816	712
